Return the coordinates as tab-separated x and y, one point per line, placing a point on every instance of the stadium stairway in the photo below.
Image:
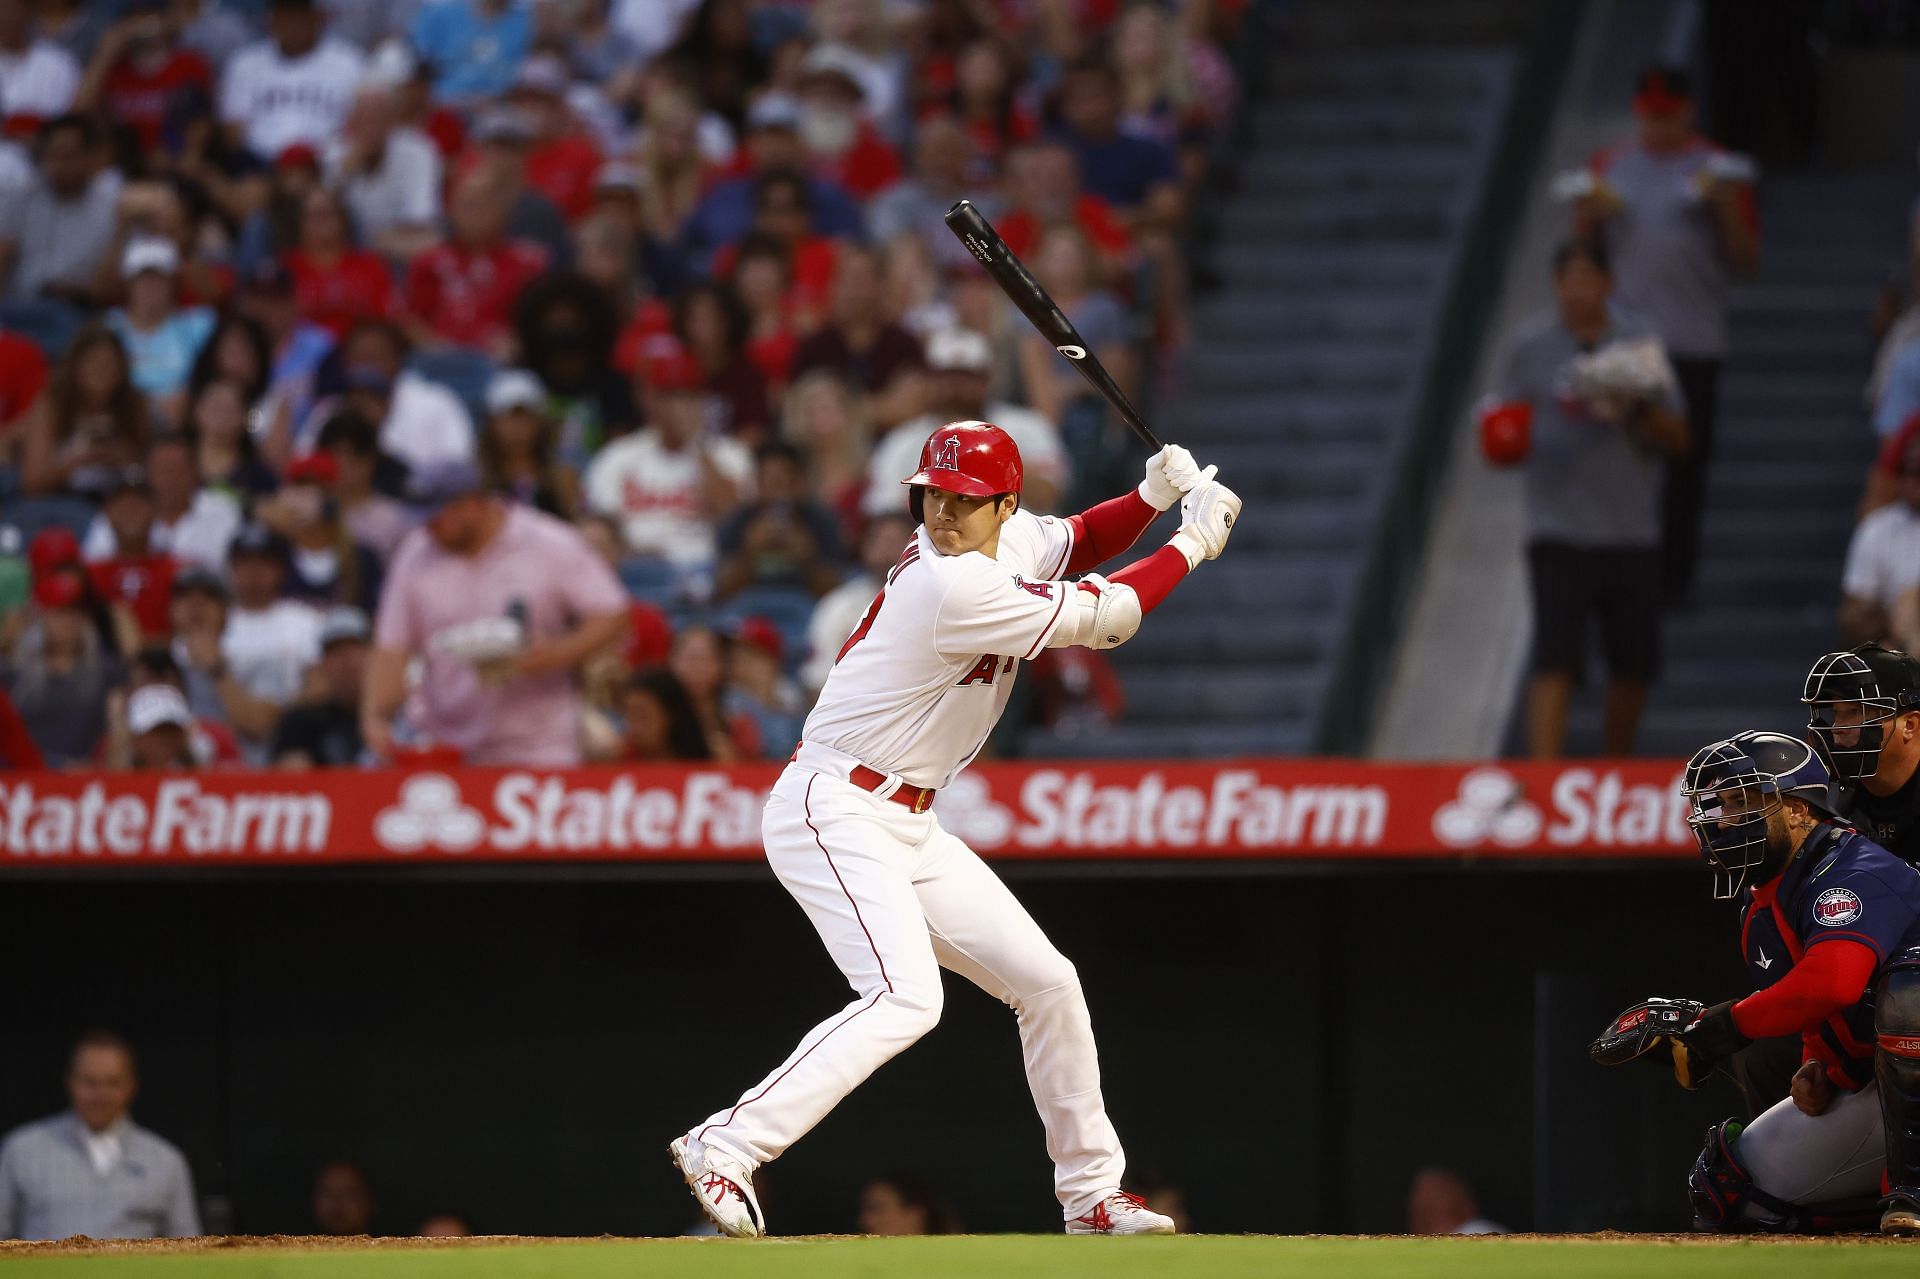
1364	164
1791	456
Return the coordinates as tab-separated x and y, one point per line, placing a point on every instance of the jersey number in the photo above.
907	557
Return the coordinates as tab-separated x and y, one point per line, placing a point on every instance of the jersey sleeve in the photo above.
1860	905
1037	546
994	609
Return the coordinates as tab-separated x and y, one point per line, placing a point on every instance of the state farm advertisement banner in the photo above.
1262	808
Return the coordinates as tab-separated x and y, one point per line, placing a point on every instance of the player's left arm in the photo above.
1106	612
1101	532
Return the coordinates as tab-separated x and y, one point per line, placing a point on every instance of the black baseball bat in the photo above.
1018	283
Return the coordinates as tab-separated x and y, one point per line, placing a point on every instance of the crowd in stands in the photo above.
531	380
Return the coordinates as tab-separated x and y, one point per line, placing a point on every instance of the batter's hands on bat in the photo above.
1171	473
1207	515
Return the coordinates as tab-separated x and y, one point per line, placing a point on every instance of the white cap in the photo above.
838	60
149	253
618	175
515	389
157	704
774	110
391	65
543	73
959	349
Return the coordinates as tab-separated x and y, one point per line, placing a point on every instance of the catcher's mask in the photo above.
1733	787
1851	697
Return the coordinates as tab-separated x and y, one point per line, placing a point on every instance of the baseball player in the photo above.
1863	712
1830	930
909	702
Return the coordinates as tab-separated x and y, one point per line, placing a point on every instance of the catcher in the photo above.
1830	929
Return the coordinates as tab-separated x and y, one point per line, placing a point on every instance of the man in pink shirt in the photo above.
504	603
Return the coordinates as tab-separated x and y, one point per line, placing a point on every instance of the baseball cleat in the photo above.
1900	1212
722	1184
1119	1213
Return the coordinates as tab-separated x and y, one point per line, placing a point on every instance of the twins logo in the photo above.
1837	907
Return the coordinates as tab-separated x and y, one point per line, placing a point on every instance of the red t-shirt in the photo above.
466	295
143	99
810	273
23	375
648	336
563	170
772	354
1021	230
357	287
144	583
867	168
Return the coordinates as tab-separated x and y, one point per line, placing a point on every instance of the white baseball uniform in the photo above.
916	689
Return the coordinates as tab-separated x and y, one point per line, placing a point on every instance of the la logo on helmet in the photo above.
949	459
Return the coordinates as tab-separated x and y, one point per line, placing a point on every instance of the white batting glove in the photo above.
1207	515
1170	472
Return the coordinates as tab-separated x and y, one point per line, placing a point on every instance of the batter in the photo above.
911	698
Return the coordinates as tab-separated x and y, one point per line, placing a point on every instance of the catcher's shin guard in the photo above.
1896	1027
1725	1200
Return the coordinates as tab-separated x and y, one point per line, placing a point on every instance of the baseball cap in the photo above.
515	389
543	74
299	155
959	350
503	124
759	633
341	624
618	175
314	468
56	590
831	61
439	482
257	539
774	111
149	253
155	705
675	371
199	577
54	546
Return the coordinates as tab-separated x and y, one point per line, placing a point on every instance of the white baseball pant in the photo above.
896	898
1816	1159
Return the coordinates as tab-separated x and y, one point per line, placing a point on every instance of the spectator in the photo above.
727	211
759	691
835	124
661	722
918	205
141	76
502	155
295	348
1883	562
712	328
719	47
388	174
699	662
566	327
342	1199
903	1204
841	609
1883	477
599	52
482	560
323	729
325	566
268	643
335	284
986	104
134	573
71	26
1043	189
861	343
23	376
55	553
672	168
272	229
762	284
89	423
59	674
782	538
293	88
213	29
476	46
668	483
1439	1202
17	751
375	520
1176	86
239	350
562	160
159	730
1136	176
37	78
198	612
783	222
192	524
224	452
462	292
421	421
1678	219
205	740
519	451
1074	693
959	361
54	234
1592	499
162	339
91	1170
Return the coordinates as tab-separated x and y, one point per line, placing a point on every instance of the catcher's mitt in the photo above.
1650	1026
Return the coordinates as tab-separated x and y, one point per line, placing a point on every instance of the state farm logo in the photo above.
430	814
1490	805
966	810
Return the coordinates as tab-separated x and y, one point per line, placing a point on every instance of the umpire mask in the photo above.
1851	698
1734	790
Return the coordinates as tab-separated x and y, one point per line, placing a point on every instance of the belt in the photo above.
917	799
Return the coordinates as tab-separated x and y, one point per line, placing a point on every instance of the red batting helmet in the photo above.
977	459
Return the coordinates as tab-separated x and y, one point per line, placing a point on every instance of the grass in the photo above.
1008	1256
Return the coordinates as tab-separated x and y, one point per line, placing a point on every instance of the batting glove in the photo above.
1170	473
1207	515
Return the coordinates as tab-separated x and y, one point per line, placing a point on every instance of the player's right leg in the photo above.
837	850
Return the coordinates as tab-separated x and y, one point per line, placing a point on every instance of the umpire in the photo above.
1863	715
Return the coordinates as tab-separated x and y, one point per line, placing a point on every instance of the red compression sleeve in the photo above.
1103	531
1154	578
1833	975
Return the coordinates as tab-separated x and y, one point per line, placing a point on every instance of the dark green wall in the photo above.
1289	1047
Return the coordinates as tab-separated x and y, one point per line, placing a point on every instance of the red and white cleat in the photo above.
1119	1213
722	1184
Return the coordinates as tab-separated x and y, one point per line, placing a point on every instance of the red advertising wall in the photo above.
1212	810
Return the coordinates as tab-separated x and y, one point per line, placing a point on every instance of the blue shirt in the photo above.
473	56
1841	887
1123	169
1900	393
725	214
162	358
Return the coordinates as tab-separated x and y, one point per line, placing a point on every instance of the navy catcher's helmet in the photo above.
1733	786
1851	696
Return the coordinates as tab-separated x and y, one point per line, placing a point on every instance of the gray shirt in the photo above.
49	1188
58	241
1667	266
1590	483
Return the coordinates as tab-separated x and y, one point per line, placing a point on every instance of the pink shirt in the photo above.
536	561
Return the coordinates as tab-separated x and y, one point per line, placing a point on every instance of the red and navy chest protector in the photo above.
1841	887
